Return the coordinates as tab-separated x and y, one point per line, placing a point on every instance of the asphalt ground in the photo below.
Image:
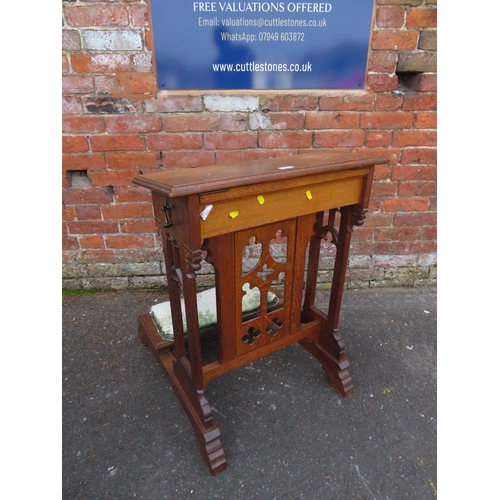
285	432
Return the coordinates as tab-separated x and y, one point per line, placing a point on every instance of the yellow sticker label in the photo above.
261	199
309	195
234	214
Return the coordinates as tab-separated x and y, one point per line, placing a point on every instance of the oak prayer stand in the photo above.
217	213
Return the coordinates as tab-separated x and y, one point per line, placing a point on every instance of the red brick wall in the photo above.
116	124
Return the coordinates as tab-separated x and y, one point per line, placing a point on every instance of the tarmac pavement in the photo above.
286	433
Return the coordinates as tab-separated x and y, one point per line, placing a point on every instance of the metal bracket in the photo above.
167	213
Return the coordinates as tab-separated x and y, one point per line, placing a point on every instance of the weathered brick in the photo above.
235	140
93	227
380	82
357	102
77	84
92	161
100	63
397	234
262	154
82	124
71	105
88	212
410	204
131	124
74	144
411	172
91	242
126	211
384	189
142	62
387	120
228	156
423	82
96	15
421	101
180	159
71	40
382	172
286	139
107	85
426	120
416	188
382	61
115	40
422	62
394	40
174	104
419	155
285	121
288	103
231	103
421	17
414	138
392	154
174	141
234	122
139	15
191	122
390	16
68	213
331	120
70	243
413	247
138	226
65	64
428	233
370	248
378	219
84	196
378	138
148	37
128	142
335	138
137	83
388	101
428	40
113	178
131	161
132	194
129	241
110	105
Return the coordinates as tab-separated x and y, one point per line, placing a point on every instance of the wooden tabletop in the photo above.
187	181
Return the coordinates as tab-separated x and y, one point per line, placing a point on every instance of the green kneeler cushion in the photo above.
207	310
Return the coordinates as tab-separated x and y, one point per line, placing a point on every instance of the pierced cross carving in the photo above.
266	271
251	335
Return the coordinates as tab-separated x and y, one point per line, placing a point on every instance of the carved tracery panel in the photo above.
264	260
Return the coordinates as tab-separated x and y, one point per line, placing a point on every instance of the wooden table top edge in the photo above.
196	180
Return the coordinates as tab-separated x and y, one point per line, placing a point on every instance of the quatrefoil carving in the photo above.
274	326
251	335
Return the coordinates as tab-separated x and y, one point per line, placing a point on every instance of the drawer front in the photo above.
231	215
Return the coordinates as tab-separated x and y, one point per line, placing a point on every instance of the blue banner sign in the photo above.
261	44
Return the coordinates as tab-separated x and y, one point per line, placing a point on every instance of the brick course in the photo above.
116	124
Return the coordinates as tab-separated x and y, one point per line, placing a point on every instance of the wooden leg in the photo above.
193	401
330	348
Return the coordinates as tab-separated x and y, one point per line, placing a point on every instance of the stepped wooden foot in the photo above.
199	412
339	376
193	401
